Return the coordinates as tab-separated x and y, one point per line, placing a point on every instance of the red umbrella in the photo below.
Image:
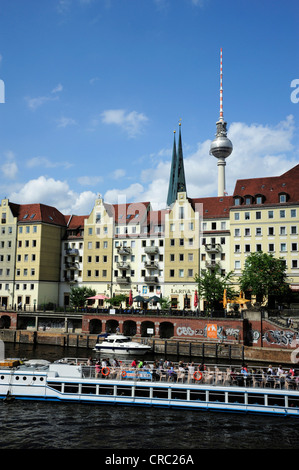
130	298
195	299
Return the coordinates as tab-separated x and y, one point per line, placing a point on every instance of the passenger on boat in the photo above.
134	363
98	369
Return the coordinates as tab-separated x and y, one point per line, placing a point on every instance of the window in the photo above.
293	230
258	247
294	247
223	225
90	231
237	201
282	214
258	231
270	230
283	247
190	256
294	263
172	257
282	231
237	249
190	272
237	232
259	199
89	245
214	225
181	242
271	247
247	248
237	216
258	215
171	273
270	214
181	273
247	232
293	212
172	242
282	198
237	264
247	215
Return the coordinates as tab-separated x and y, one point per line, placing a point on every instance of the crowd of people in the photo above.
165	370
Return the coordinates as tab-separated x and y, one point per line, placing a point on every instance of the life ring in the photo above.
107	371
124	374
197	375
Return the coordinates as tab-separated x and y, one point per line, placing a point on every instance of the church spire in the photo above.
177	181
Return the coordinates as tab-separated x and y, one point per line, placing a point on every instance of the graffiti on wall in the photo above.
281	337
211	331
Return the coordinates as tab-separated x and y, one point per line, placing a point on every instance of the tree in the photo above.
117	300
264	275
79	295
211	285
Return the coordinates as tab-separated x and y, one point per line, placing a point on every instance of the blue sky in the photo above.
94	90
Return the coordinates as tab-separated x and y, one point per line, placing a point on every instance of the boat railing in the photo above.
190	374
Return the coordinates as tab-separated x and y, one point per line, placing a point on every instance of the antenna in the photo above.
221	89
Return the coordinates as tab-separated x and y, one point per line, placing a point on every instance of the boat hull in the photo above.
137	388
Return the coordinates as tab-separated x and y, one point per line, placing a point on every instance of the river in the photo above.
40	425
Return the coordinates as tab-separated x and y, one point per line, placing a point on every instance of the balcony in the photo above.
212	264
73	265
124	250
151	279
213	247
72	251
151	250
123	280
151	265
123	265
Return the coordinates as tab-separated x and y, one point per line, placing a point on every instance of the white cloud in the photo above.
55	193
89	180
262	150
132	122
9	168
57	89
46	163
65	122
118	173
130	194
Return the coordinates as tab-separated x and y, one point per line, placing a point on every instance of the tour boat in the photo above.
72	380
120	344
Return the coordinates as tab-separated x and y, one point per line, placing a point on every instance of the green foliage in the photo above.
264	275
211	285
165	303
79	295
117	300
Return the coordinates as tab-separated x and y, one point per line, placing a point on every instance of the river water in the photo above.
40	425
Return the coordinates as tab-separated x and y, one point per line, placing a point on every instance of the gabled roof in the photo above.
27	213
213	207
271	187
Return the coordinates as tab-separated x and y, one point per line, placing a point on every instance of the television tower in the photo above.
221	147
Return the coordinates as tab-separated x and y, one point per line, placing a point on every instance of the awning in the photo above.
294	287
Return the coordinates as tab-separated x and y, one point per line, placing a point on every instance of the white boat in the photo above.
72	380
120	344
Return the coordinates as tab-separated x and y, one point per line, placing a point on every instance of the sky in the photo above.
92	92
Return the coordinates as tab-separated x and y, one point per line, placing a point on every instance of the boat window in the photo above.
198	395
256	399
276	400
160	393
142	392
71	388
89	389
236	398
55	386
178	394
106	390
293	402
124	391
217	396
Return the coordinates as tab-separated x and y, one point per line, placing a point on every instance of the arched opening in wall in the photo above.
5	322
166	329
129	328
95	326
147	328
111	326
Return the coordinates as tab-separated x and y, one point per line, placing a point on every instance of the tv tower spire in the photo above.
221	147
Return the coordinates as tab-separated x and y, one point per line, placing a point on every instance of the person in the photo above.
134	363
89	361
98	368
140	365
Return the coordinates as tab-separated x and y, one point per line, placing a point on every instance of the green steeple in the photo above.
177	182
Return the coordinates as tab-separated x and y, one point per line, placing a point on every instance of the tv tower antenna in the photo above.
221	147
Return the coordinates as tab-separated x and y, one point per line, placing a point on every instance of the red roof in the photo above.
271	187
212	207
28	213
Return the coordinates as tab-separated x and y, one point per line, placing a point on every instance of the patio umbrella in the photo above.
130	298
155	298
96	297
138	298
195	299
